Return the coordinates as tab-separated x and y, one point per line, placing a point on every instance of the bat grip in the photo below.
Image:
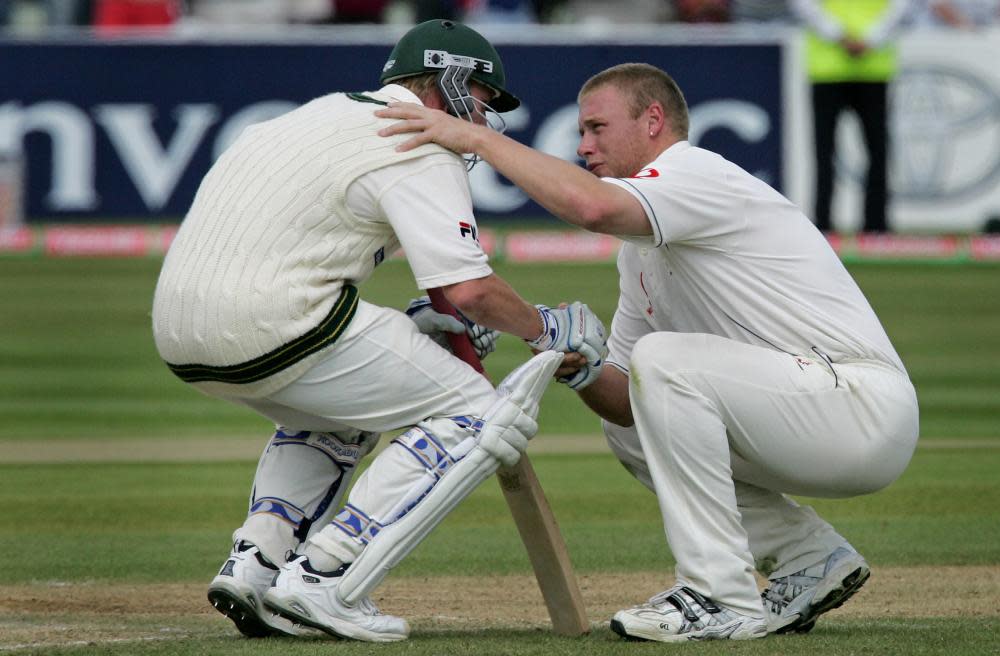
460	343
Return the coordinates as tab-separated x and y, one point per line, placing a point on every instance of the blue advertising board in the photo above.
124	131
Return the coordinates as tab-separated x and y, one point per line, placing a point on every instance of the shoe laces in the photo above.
368	607
784	589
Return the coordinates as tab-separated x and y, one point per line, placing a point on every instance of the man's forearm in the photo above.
493	303
608	397
568	191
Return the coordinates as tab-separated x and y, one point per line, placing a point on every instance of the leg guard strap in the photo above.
399	538
300	476
425	445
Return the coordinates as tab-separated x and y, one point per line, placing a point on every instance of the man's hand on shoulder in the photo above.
429	126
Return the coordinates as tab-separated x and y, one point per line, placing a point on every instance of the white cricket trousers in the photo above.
381	375
725	428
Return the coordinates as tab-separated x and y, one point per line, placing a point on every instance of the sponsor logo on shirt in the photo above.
379	256
647	173
466	229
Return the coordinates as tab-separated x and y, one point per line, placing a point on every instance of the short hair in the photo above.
643	85
419	84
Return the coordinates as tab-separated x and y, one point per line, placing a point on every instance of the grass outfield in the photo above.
77	359
112	558
94	522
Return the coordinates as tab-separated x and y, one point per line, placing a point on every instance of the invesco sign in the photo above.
155	164
946	134
125	130
154	167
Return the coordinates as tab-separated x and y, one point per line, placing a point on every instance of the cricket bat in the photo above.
533	516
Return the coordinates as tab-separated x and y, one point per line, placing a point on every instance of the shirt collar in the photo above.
675	148
401	93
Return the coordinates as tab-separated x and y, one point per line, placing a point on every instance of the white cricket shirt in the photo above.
295	210
730	256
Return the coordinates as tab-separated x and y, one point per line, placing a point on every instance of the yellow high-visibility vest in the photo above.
829	62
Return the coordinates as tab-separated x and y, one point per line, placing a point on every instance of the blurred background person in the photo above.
701	11
66	13
601	12
260	12
759	11
962	14
22	15
117	14
6	12
850	59
38	15
356	12
425	10
518	12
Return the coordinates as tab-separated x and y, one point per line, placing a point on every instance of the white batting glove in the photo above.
435	325
431	322
574	328
484	340
584	376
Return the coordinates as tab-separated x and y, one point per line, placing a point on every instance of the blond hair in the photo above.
420	84
642	85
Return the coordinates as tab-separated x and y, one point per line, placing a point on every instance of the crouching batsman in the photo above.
258	303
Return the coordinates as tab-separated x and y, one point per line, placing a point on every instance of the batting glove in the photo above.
484	340
574	328
435	325
586	375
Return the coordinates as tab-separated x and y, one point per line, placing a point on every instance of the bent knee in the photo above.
624	443
674	352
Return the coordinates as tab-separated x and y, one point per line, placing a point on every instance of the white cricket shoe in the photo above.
309	597
238	590
794	602
681	614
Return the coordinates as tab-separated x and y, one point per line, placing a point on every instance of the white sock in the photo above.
321	560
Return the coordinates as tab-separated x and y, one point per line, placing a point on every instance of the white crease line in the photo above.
83	643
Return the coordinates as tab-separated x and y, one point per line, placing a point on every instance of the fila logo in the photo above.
647	173
468	229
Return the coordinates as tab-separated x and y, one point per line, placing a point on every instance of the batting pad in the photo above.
300	476
397	540
524	386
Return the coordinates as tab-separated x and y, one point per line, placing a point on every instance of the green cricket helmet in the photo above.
456	53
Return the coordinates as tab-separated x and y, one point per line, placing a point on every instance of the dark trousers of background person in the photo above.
869	102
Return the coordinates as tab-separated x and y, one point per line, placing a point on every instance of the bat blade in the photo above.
533	517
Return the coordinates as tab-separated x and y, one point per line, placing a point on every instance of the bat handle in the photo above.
460	343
